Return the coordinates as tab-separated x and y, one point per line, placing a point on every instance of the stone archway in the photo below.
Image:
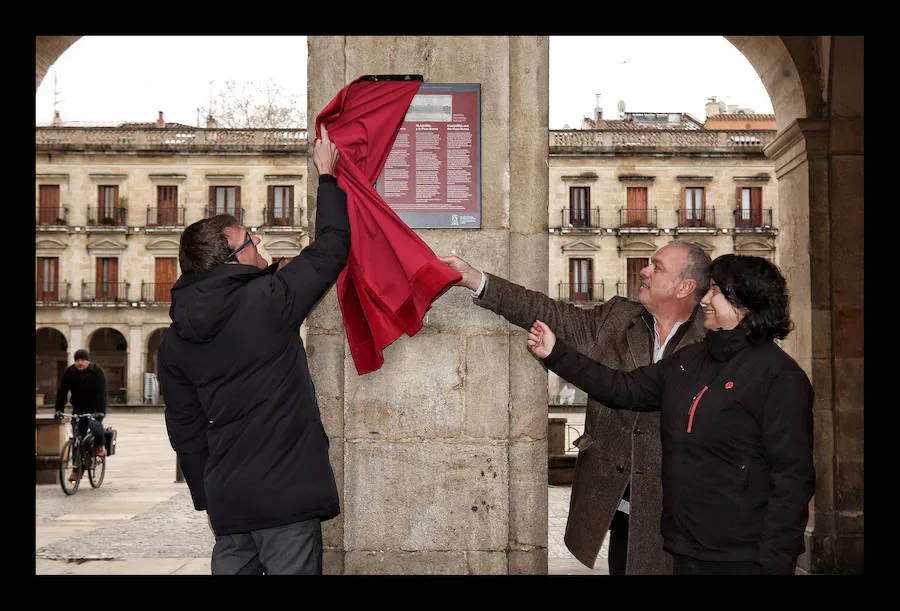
109	349
51	360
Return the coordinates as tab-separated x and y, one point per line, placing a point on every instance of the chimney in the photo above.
160	122
56	119
211	122
714	107
598	111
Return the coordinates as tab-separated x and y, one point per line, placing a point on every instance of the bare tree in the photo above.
256	105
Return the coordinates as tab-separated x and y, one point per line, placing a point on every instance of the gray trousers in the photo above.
292	549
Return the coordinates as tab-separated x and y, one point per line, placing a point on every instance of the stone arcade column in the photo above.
822	161
441	455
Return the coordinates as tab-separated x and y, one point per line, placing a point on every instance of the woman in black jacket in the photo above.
736	425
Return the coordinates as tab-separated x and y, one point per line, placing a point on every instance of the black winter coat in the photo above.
241	410
736	427
88	390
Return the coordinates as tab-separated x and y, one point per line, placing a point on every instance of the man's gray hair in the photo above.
696	268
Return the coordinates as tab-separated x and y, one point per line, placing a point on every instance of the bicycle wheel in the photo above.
69	461
96	471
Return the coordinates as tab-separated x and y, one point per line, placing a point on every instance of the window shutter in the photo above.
238	213
211	211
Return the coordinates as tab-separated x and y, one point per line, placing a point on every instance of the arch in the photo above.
109	349
154	339
51	360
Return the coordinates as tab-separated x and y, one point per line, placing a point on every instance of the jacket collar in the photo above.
723	345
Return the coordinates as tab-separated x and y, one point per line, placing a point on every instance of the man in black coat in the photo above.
241	409
86	381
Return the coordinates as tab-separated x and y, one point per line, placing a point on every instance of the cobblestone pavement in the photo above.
142	522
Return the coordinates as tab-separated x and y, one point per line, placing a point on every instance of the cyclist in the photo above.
87	383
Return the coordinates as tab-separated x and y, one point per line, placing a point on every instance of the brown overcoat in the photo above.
616	444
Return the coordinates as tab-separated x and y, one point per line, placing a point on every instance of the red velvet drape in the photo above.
392	276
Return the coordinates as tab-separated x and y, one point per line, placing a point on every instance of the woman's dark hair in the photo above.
757	285
204	244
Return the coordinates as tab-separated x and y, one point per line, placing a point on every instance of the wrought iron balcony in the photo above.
51	293
758	219
704	218
104	217
104	292
52	216
286	217
579	218
581	292
165	217
208	213
633	218
156	292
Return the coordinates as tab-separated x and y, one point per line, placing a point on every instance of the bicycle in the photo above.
79	455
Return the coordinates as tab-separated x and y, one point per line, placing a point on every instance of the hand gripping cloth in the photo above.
392	276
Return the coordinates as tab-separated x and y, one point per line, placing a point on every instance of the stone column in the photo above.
135	365
441	454
76	341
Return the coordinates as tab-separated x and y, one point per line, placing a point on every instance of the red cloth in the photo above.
392	276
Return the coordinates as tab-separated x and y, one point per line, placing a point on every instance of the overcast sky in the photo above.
131	78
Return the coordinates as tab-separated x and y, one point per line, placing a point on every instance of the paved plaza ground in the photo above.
142	522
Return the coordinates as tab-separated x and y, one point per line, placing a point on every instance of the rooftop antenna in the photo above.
56	98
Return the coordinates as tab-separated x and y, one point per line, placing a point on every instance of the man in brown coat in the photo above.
617	482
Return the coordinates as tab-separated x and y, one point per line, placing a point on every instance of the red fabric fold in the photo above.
392	276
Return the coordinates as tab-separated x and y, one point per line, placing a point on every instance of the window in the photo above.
108	204
580	206
693	207
581	279
749	207
636	207
225	200
281	205
167	205
48	205
166	272
47	279
634	267
107	287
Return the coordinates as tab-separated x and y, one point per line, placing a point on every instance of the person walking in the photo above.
616	483
86	382
241	410
737	425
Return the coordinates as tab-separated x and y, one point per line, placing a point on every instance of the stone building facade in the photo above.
621	189
111	202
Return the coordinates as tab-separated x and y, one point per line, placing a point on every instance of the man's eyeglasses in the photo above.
233	255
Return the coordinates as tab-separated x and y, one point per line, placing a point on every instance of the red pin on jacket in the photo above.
392	276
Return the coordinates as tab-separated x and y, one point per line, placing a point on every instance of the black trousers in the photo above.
685	565
618	543
292	549
96	427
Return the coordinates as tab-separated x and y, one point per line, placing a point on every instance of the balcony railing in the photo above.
104	217
705	217
57	293
583	218
211	212
156	292
637	217
753	219
165	217
287	217
581	292
52	215
104	292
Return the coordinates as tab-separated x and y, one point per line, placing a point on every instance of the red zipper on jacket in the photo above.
694	406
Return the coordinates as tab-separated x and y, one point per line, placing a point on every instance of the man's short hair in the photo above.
204	244
696	267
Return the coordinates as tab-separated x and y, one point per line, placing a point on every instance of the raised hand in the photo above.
325	154
541	340
471	277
